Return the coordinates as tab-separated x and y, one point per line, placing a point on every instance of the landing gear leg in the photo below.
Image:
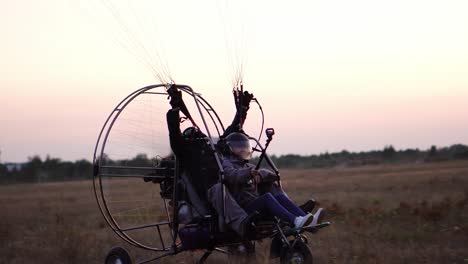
205	256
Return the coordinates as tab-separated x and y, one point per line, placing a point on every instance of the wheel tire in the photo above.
299	254
118	255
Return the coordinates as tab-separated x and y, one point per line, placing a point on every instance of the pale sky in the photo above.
331	75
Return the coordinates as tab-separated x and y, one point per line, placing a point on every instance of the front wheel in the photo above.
299	254
118	255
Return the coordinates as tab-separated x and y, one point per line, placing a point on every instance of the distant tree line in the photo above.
50	169
375	157
54	169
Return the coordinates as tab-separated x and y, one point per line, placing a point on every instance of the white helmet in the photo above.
239	145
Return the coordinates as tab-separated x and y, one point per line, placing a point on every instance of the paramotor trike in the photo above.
132	151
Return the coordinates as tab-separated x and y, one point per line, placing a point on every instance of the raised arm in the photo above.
175	135
173	121
241	113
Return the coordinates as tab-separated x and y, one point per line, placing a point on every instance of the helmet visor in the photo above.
242	149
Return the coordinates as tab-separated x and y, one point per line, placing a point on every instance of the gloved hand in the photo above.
267	175
256	177
175	95
246	98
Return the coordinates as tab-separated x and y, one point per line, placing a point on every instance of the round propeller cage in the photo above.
128	156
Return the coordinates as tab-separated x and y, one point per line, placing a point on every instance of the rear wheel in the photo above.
118	255
299	254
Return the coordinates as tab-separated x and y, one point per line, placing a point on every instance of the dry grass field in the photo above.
381	214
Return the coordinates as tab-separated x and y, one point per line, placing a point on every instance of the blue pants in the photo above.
278	205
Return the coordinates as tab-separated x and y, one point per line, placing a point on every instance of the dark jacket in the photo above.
195	156
239	180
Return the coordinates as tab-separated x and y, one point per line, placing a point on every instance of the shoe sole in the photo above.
309	221
321	214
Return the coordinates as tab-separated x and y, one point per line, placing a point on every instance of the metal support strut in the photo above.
205	256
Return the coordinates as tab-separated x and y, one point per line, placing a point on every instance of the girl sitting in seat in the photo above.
242	179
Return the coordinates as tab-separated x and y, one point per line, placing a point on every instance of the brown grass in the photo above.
381	214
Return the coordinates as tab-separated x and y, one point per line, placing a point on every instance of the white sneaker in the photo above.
318	216
301	221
